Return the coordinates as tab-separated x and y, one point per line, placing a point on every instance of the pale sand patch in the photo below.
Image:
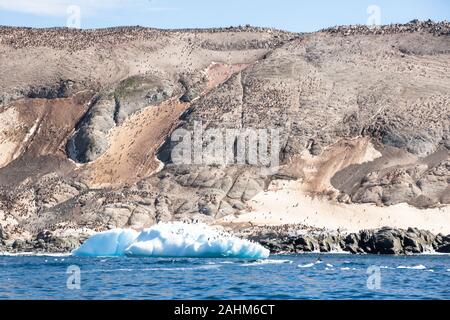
13	136
8	140
317	171
286	203
218	73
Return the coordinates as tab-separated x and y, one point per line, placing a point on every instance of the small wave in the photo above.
345	269
268	261
205	267
308	265
418	267
329	265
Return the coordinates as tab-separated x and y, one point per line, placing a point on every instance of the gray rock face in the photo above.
352	243
90	140
45	242
306	244
61	89
380	241
137	92
3	235
193	85
445	248
422	185
387	241
131	95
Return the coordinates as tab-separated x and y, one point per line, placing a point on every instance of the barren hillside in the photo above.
86	119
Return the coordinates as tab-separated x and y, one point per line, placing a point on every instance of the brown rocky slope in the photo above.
86	116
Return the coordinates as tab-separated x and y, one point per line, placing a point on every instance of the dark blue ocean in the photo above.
307	276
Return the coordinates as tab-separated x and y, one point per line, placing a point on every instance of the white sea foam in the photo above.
171	240
418	267
308	265
267	261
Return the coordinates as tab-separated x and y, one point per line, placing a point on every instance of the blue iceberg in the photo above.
171	240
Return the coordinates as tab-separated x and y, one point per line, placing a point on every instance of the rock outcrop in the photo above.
380	241
44	242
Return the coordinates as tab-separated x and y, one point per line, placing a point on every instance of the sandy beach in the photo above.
286	203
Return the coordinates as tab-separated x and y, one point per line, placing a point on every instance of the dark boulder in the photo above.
352	243
18	244
388	241
366	241
413	244
444	246
3	236
44	235
273	245
306	244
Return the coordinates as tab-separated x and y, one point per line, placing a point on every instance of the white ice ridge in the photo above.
171	240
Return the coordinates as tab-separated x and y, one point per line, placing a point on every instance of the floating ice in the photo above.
110	243
171	240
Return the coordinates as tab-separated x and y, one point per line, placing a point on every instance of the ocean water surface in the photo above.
306	276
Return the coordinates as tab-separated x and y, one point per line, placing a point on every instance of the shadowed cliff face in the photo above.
85	124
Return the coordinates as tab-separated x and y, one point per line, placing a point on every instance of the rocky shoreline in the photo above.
386	240
43	242
289	239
